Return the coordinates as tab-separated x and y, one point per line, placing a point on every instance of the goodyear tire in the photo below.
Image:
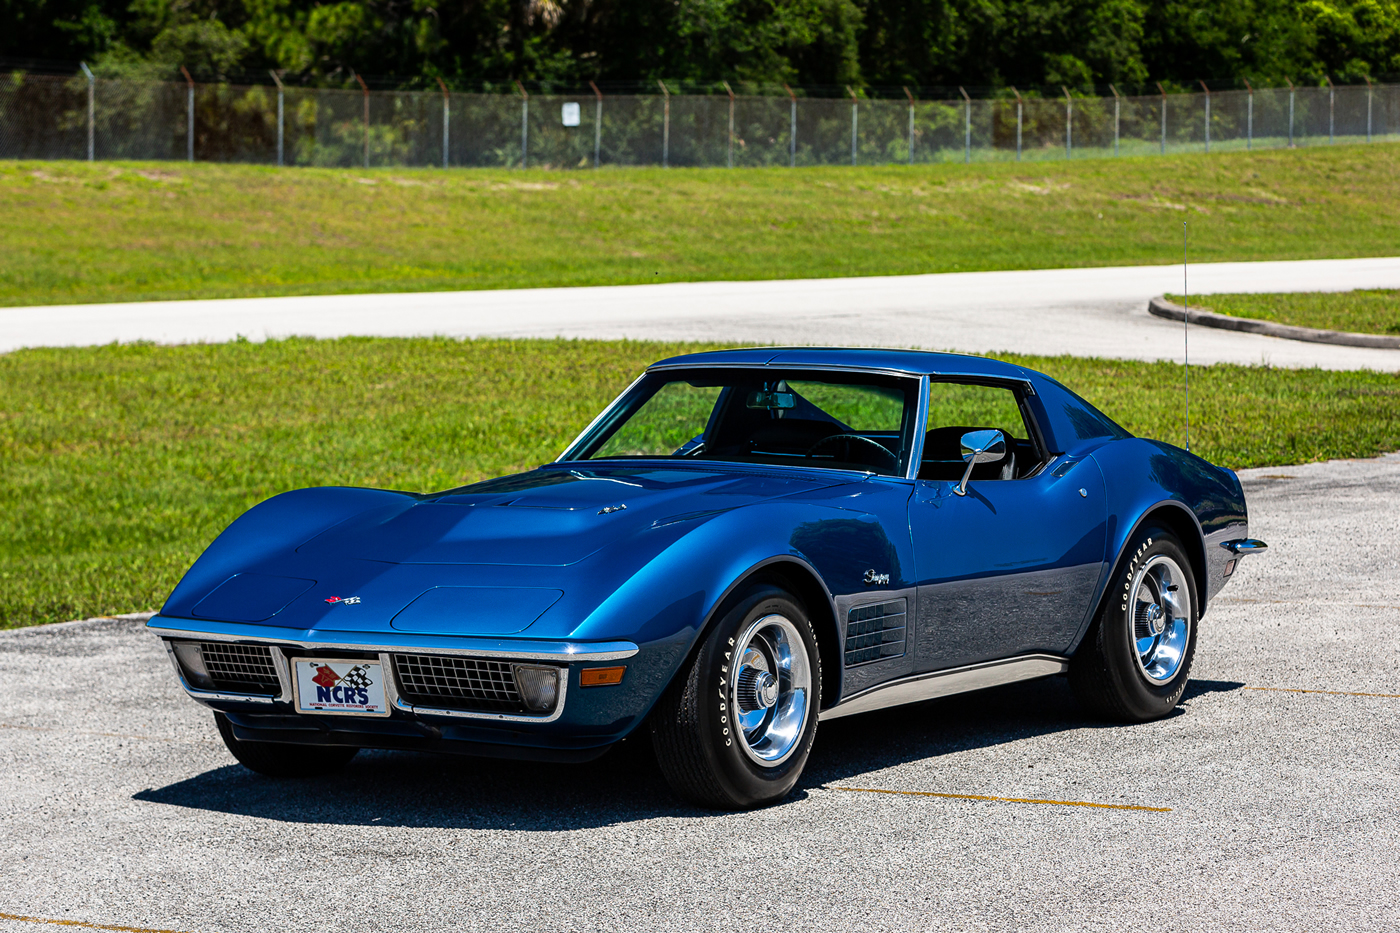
280	759
736	727
1136	660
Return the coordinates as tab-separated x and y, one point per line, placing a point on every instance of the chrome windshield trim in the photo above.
561	652
933	684
804	367
598	419
917	441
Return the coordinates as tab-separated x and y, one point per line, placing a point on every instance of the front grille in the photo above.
875	633
457	683
241	668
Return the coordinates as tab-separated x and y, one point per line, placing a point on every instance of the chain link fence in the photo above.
47	117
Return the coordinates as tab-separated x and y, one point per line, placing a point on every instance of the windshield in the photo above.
855	421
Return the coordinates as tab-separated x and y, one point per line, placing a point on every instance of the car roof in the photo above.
912	362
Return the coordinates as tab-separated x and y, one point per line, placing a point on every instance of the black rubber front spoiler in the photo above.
402	735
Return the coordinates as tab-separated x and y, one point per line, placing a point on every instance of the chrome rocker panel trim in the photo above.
475	646
946	683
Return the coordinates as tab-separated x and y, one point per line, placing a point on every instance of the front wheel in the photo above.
1134	663
281	759
736	727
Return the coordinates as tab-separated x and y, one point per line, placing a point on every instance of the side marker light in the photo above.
600	676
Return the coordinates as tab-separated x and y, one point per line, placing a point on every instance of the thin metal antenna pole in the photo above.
91	123
967	127
446	122
598	125
278	81
1186	332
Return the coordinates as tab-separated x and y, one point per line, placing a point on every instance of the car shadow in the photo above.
410	789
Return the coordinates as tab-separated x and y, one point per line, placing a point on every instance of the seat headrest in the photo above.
946	443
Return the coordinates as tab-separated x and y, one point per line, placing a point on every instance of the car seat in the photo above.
942	457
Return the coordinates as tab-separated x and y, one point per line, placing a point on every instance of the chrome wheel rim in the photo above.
770	688
1160	608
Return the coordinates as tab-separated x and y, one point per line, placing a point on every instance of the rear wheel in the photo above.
1135	662
736	727
281	759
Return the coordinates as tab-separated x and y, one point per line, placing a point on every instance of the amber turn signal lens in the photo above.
600	676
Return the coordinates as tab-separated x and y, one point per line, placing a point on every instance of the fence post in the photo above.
729	158
446	120
967	126
1331	110
1290	112
1207	90
1368	110
92	112
598	125
1018	123
665	126
1249	120
189	115
1069	123
911	125
792	128
1164	116
854	105
277	80
365	88
524	126
1115	119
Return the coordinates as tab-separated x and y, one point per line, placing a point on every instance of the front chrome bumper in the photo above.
383	645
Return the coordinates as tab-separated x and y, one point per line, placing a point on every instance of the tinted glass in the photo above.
956	409
803	418
973	407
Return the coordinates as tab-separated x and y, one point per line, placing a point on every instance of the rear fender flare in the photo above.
1179	519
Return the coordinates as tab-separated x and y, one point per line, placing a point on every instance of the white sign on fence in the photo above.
571	114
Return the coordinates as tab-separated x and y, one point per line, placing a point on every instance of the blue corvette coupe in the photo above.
744	543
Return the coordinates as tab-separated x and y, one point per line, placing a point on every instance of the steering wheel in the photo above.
890	460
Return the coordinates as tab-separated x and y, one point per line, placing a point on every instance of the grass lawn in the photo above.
1364	311
80	232
118	464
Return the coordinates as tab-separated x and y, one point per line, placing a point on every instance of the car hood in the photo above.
548	517
486	559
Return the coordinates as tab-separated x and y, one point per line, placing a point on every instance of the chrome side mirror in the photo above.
979	447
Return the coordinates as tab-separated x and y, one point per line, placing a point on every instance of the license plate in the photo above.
337	686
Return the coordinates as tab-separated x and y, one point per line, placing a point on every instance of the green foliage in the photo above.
1364	311
813	42
74	232
119	464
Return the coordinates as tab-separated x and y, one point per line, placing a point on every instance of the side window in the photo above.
955	409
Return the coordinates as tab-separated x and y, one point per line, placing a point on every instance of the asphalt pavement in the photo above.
1083	312
1258	806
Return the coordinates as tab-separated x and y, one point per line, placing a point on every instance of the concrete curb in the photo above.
1161	307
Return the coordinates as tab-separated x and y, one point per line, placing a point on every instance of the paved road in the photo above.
120	807
1085	312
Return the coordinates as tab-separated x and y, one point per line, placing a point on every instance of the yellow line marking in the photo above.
1335	693
83	923
1057	803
